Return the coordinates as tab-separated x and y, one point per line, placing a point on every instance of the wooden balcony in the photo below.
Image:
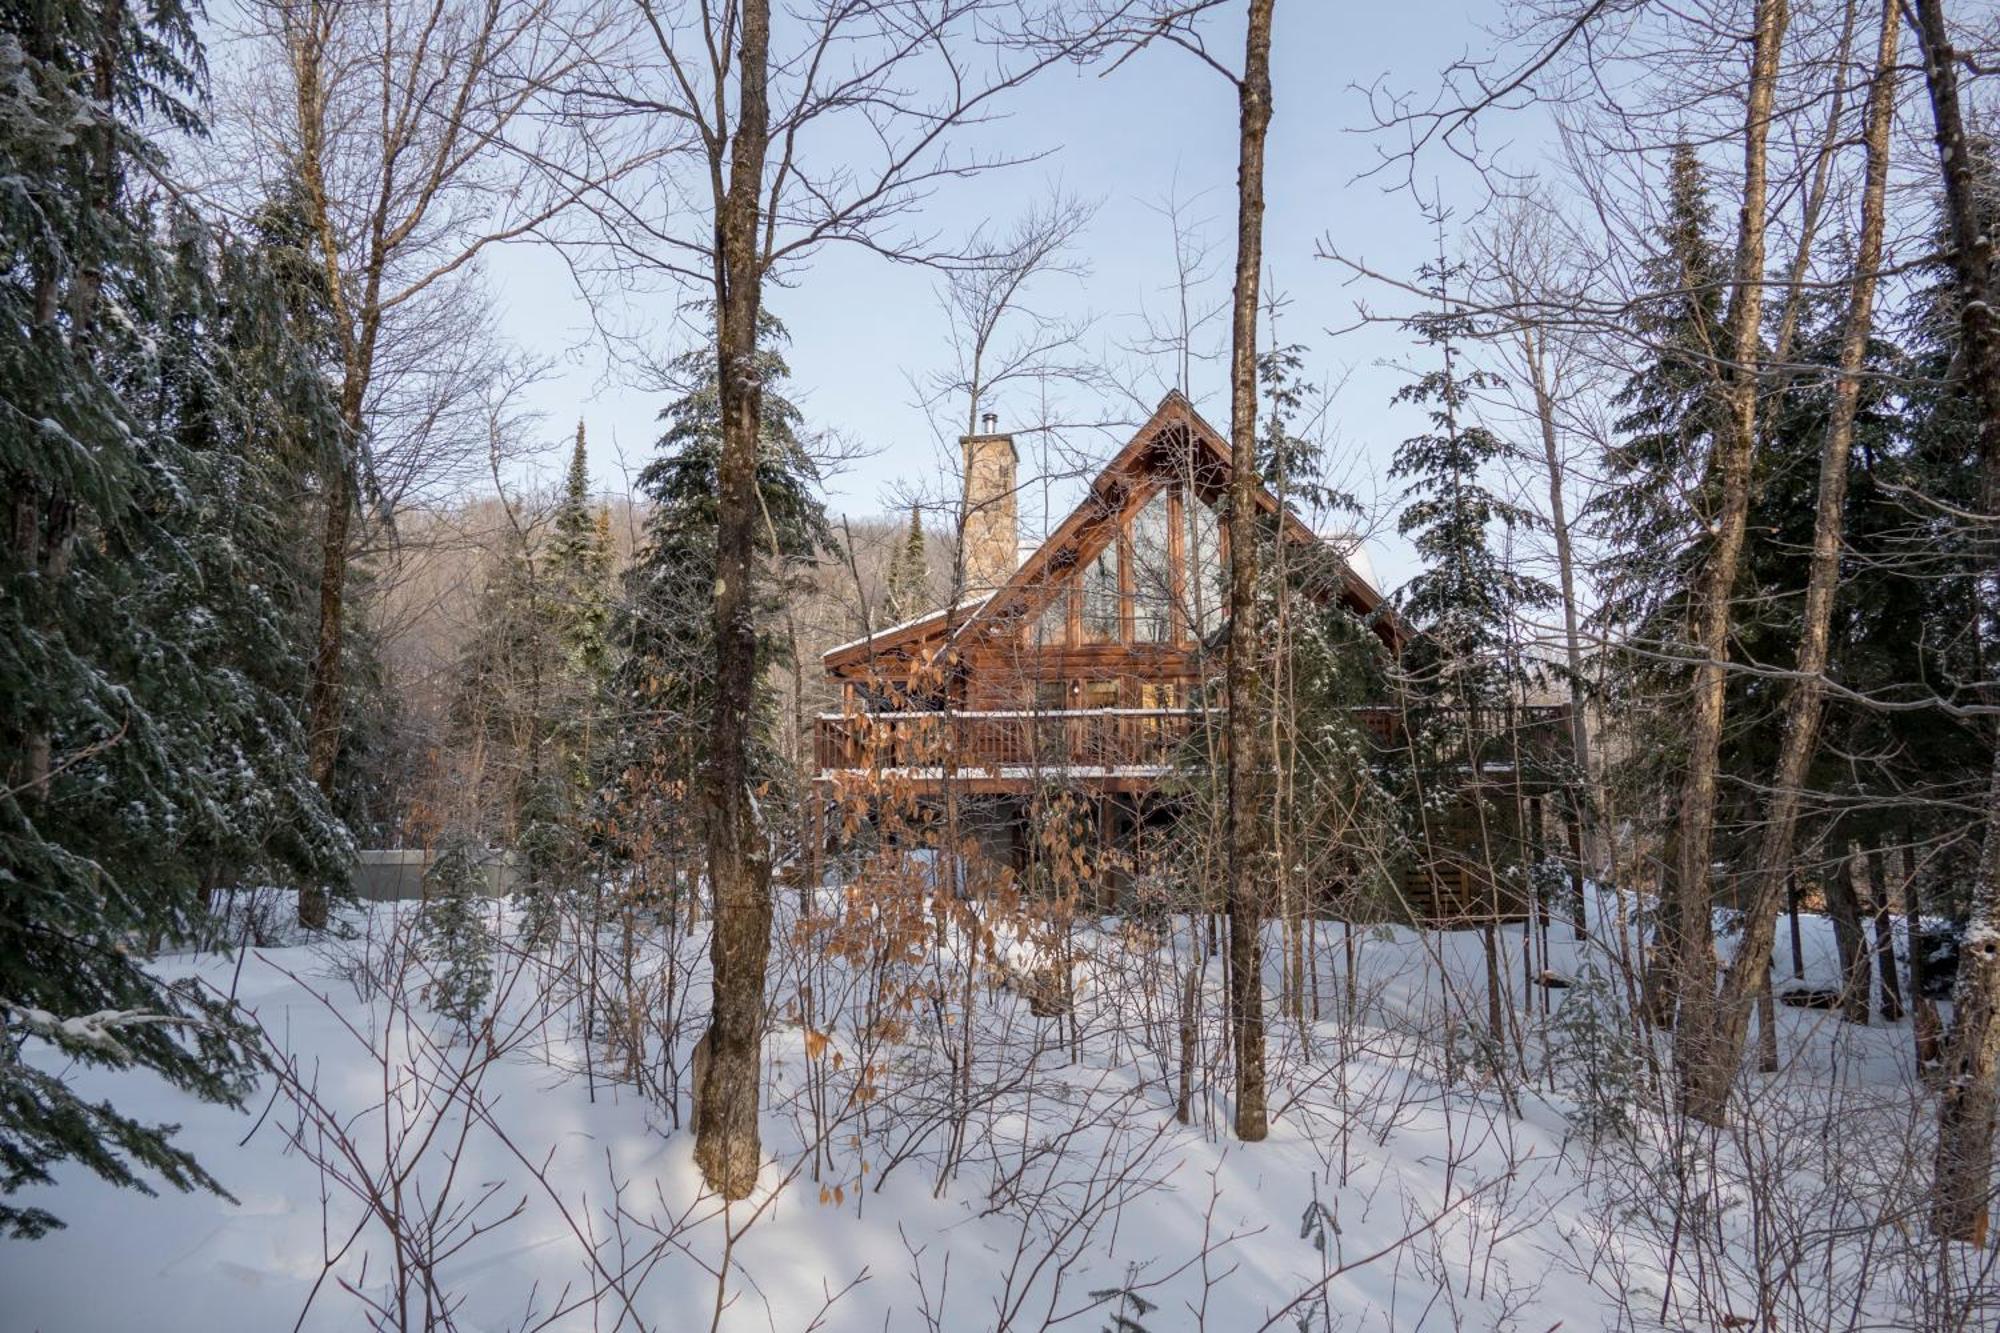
1118	749
1115	747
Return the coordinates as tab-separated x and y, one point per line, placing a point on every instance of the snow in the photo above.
1398	1189
968	605
97	1029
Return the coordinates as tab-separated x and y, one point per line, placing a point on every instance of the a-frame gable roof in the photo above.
1175	443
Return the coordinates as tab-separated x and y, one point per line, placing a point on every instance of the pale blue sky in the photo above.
862	327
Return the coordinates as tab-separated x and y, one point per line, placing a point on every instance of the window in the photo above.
1152	572
1100	596
1051	629
1100	694
1208	577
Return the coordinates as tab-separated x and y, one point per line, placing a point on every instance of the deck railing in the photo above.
1089	738
1023	742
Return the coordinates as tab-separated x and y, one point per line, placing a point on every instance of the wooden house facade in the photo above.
1077	667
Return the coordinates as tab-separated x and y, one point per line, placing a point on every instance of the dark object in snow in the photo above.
1552	980
1940	952
1811	997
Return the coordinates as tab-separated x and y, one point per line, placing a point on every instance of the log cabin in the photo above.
1077	665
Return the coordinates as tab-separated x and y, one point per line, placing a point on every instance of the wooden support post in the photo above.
815	844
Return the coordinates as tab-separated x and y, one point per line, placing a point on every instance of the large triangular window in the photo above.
1159	579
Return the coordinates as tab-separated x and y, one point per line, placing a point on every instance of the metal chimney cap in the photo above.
989	420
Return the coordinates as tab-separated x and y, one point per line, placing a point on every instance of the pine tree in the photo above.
145	649
1467	598
531	684
664	679
552	849
1292	465
246	403
580	607
1649	519
580	573
1467	667
453	934
909	575
1669	417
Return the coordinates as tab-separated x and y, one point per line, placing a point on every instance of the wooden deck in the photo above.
1111	749
1114	749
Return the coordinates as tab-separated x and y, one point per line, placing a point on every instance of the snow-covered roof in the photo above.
969	605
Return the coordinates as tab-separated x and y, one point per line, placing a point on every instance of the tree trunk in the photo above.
1246	767
1925	1029
1844	906
1885	938
1792	911
727	1148
1709	1091
1767	1028
1579	728
323	689
1659	980
1190	1033
1496	1014
1972	1056
1730	465
1967	1106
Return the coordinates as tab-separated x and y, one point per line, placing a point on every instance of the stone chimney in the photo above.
990	526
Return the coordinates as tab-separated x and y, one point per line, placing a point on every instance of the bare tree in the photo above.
1966	1110
991	295
1712	1075
717	197
1532	273
1246	839
410	138
1729	464
739	857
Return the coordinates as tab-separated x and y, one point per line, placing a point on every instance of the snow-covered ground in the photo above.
398	1173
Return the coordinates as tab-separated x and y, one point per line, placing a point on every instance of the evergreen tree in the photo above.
145	594
1467	666
1292	465
909	575
370	732
508	678
530	686
552	849
1468	597
580	573
453	934
666	631
580	608
555	809
252	417
1650	517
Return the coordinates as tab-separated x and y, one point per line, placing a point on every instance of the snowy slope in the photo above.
1401	1181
